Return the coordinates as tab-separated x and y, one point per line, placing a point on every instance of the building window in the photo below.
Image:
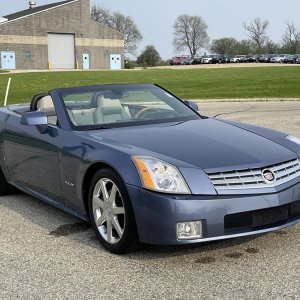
27	55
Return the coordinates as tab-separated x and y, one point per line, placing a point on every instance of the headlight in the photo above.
293	139
160	176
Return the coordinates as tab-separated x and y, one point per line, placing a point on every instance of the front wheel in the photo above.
111	213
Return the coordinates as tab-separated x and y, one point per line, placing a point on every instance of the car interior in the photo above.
104	107
106	111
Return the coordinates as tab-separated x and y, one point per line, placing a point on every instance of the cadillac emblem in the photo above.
268	176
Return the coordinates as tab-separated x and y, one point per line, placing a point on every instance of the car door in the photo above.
32	157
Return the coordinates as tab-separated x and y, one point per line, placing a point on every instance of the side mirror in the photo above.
35	118
193	105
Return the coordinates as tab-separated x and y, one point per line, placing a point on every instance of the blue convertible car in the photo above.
144	166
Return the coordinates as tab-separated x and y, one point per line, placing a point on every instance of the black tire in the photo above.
5	187
129	241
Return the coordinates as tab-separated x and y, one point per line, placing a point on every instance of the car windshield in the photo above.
109	106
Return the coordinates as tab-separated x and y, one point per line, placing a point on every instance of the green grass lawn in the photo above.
259	82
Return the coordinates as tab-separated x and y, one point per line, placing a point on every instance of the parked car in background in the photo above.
187	61
237	58
197	61
266	58
298	60
177	60
210	59
257	57
223	59
295	57
291	59
288	59
249	58
278	58
243	59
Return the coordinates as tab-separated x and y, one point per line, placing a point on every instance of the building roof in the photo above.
34	10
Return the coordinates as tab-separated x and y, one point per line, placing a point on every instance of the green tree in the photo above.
226	45
244	47
149	56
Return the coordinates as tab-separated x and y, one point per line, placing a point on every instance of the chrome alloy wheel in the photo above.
108	210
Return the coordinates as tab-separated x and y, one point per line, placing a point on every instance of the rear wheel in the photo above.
111	213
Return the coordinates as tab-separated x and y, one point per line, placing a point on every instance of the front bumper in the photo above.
157	214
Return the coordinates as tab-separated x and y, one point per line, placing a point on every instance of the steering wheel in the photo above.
146	109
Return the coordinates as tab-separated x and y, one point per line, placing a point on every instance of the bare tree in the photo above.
291	38
121	23
257	32
100	14
271	47
190	33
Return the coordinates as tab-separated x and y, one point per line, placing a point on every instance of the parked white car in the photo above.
278	58
210	59
237	58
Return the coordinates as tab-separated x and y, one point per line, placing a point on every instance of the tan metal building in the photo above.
61	35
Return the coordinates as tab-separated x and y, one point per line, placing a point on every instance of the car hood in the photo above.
206	143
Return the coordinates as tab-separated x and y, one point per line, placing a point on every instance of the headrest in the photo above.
109	106
46	105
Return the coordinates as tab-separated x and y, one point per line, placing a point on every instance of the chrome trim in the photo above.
253	179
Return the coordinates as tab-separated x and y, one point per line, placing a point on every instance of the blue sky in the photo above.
224	18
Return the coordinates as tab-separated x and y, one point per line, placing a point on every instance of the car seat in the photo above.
109	111
46	105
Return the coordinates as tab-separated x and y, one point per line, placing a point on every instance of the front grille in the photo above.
252	178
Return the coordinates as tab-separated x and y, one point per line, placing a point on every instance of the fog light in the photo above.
189	230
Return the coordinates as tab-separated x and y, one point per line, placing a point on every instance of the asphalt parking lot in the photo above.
48	254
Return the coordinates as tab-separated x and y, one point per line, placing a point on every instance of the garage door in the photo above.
61	51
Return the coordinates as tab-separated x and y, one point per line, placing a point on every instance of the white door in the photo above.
8	60
115	62
61	50
85	61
